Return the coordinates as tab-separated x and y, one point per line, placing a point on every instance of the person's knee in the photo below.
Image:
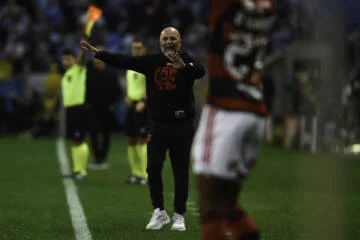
234	214
209	201
210	214
213	209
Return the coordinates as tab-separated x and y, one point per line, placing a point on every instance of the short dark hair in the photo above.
68	51
138	40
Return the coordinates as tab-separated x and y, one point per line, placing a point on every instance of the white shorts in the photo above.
227	143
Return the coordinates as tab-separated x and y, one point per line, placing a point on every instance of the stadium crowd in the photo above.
33	34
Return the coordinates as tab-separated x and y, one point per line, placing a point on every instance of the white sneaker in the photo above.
179	222
158	220
142	181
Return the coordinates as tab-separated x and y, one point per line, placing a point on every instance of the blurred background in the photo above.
312	80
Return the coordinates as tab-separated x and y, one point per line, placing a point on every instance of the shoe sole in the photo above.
177	229
160	226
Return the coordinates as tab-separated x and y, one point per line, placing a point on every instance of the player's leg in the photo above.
105	131
76	122
218	161
141	149
157	147
216	199
131	135
240	224
105	144
94	129
222	215
213	225
141	146
156	150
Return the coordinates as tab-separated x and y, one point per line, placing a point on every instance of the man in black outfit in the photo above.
102	92
170	77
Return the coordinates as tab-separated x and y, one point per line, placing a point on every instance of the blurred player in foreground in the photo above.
231	128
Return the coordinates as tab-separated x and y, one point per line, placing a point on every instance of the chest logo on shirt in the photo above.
164	78
69	78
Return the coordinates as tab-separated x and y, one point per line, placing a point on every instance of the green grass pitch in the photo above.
292	195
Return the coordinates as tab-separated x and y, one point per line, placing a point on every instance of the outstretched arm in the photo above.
138	63
81	57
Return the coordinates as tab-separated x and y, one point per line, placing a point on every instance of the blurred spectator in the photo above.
102	94
269	93
6	69
351	101
301	103
182	17
54	12
25	107
34	32
194	37
45	121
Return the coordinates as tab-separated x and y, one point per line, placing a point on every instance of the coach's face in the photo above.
170	40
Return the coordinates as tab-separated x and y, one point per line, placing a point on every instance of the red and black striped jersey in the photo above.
239	32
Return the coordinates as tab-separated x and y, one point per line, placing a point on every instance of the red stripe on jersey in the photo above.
209	134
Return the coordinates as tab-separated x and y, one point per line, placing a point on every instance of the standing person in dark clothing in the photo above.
102	93
170	77
269	93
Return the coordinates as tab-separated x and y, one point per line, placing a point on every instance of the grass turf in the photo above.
291	195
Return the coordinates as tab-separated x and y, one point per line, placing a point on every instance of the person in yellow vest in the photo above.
73	86
136	130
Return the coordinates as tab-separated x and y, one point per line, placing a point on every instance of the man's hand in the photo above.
140	106
176	61
88	47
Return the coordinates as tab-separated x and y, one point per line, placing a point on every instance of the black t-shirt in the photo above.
169	91
102	87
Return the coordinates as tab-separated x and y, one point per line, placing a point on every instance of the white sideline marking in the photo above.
77	215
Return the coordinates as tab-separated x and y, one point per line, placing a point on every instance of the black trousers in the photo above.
100	132
177	138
